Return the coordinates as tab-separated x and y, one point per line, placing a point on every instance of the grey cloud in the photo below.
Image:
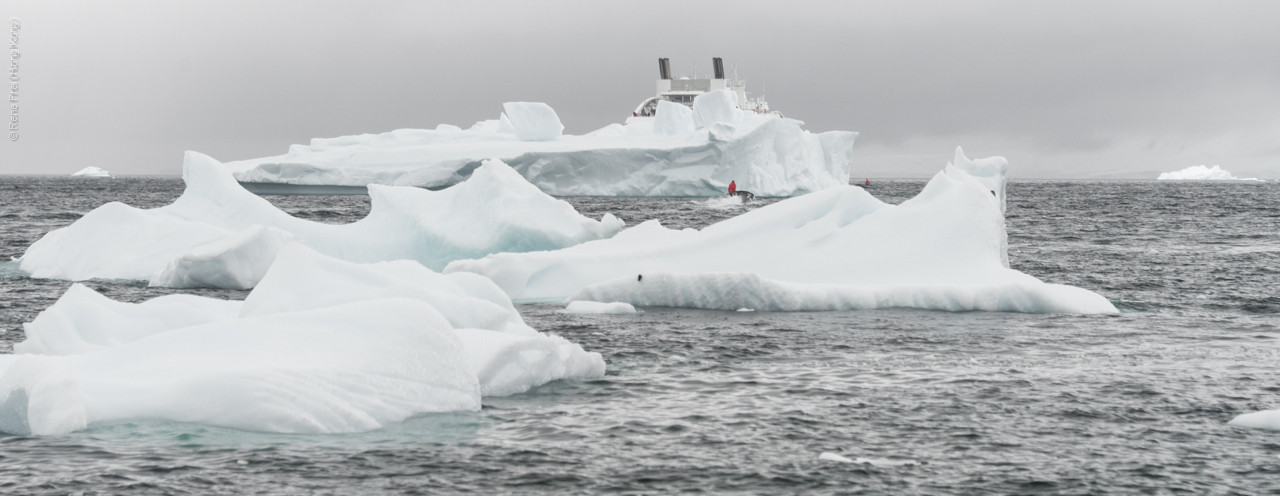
1064	89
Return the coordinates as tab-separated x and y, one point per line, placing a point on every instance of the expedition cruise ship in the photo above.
684	90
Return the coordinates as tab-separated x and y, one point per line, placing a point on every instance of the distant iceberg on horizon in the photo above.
681	152
1202	173
92	172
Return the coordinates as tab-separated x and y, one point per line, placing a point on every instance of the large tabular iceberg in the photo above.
1202	173
92	172
321	345
835	249
679	153
220	235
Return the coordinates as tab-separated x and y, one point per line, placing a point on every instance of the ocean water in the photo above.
728	402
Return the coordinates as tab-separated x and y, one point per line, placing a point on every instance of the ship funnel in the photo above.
664	68
718	65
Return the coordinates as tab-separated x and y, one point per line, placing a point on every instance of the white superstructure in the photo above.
684	90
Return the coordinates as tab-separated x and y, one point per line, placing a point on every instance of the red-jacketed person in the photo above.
733	186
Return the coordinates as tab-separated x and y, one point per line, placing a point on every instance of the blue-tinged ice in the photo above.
680	152
320	346
836	249
217	234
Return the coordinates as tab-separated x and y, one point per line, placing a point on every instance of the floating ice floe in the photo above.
875	462
1267	419
1202	173
595	306
320	346
682	152
92	172
836	249
217	234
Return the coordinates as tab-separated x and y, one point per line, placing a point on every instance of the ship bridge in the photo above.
684	90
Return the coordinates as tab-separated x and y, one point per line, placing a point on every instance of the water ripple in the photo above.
706	401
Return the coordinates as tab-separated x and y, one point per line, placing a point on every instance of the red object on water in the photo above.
732	187
868	182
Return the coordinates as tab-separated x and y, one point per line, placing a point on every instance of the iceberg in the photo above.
683	152
342	369
716	106
217	234
237	261
320	346
83	321
671	119
836	249
1201	173
92	172
533	121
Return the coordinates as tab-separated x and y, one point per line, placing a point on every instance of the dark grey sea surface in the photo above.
727	402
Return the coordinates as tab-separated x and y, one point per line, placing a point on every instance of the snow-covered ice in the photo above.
716	106
217	234
583	306
680	152
234	262
837	249
1202	173
92	172
302	279
672	119
83	321
533	121
349	368
322	345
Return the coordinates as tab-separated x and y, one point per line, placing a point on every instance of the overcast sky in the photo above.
1062	89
